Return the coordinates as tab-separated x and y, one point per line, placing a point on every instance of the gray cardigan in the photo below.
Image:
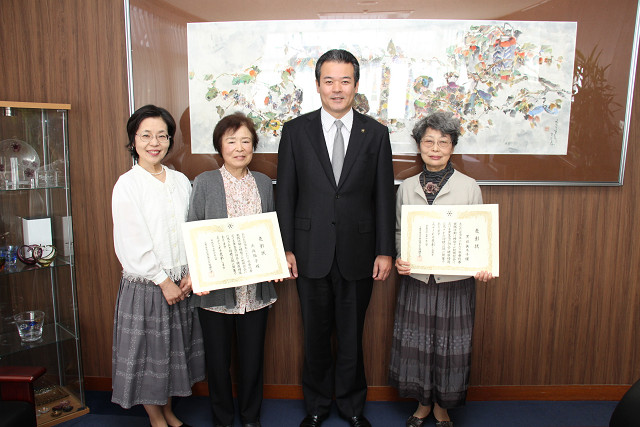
209	201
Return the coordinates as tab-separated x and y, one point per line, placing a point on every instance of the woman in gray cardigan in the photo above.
234	191
431	346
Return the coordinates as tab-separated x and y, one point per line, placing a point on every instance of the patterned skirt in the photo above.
158	350
431	345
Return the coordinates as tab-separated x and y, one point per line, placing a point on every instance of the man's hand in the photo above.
382	267
291	263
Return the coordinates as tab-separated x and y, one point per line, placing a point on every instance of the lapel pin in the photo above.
362	130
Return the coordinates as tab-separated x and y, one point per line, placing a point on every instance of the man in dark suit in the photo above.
335	205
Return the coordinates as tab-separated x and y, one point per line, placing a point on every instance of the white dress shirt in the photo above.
329	129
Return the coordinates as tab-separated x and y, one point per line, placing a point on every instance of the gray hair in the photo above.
440	121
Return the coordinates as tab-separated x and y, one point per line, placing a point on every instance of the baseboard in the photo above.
548	392
97	383
516	392
386	393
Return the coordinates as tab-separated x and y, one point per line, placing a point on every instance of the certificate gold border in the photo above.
437	212
196	258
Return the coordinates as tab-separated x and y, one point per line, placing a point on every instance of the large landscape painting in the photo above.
510	83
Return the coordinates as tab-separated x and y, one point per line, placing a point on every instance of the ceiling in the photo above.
252	10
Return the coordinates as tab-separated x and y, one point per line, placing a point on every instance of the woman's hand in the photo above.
172	292
484	276
403	267
186	285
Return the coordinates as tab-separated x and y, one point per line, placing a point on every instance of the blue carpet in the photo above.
288	413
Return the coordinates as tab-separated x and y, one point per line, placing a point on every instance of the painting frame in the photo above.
611	47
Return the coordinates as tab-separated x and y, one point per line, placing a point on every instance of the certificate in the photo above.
230	252
459	240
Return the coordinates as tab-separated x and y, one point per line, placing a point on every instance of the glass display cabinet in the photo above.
38	305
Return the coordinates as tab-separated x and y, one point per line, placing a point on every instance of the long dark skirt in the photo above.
157	348
431	346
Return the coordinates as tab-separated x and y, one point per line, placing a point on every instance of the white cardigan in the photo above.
458	190
147	224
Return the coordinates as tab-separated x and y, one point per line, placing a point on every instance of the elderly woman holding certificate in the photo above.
431	346
234	191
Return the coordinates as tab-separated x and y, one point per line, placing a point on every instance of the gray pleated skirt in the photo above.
157	348
431	344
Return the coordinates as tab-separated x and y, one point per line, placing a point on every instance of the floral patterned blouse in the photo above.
243	199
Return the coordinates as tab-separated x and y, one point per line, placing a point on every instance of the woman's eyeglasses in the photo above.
429	143
146	137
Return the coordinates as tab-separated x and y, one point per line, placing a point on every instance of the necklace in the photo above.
157	173
430	187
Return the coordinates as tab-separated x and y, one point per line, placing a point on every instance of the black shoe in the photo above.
359	421
312	421
415	421
253	424
444	423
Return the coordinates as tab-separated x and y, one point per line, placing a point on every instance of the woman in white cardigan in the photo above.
431	347
157	341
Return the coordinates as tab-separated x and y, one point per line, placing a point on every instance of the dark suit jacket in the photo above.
355	219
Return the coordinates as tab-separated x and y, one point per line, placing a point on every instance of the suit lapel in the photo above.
316	137
356	142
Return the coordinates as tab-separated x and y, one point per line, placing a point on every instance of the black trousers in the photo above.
217	330
327	302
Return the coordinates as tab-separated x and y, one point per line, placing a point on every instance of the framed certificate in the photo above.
458	240
231	252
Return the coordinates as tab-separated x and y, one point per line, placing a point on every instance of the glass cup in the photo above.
10	254
29	325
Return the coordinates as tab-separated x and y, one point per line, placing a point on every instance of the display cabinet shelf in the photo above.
52	333
48	187
20	267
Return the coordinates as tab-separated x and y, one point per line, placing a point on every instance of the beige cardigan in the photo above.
458	190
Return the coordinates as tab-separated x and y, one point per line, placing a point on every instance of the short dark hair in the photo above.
446	123
143	113
339	55
232	123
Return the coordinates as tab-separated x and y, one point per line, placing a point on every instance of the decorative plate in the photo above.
28	159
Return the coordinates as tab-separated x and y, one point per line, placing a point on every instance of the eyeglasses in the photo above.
146	137
429	143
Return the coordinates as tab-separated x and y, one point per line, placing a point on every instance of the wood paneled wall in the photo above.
565	311
73	51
